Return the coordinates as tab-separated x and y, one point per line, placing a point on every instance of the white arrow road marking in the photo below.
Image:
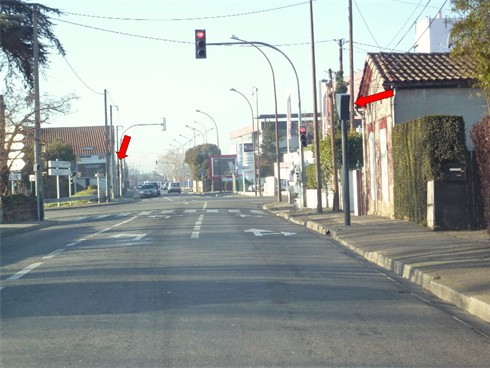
261	232
136	237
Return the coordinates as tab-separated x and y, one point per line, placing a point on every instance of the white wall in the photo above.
414	103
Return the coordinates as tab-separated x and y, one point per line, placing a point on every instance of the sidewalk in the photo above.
454	266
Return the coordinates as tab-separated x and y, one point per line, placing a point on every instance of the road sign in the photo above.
59	164
59	172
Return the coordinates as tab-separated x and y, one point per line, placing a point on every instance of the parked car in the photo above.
148	190
157	187
174	188
165	186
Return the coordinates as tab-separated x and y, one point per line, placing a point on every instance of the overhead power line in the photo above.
189	18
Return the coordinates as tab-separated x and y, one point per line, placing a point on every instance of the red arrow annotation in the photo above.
124	147
364	100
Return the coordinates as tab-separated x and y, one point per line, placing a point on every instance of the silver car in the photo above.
148	190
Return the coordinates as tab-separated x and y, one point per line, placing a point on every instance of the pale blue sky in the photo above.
158	76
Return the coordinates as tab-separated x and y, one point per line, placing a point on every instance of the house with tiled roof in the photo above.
89	148
423	84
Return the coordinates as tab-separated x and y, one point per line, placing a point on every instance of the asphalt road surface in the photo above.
187	280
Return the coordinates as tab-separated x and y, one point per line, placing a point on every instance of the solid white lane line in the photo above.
25	271
53	254
126	221
75	243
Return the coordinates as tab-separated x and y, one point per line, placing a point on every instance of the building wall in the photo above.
408	104
434	38
413	103
378	166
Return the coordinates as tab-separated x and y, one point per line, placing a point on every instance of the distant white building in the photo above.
435	36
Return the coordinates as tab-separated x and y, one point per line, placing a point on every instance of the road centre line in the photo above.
25	271
53	254
75	243
126	221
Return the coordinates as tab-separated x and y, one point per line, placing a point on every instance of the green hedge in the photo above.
480	134
420	148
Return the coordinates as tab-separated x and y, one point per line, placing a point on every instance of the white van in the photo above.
174	188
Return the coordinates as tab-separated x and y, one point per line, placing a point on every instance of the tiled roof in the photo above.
87	140
414	70
421	69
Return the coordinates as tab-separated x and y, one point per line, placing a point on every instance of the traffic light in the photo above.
200	43
302	136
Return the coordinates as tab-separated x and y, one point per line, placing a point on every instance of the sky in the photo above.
142	53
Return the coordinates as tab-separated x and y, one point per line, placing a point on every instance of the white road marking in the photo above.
53	254
124	222
144	213
190	211
234	211
124	214
137	237
166	212
25	271
75	243
195	235
212	211
257	212
101	217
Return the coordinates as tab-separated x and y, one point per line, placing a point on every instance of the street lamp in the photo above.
278	161
217	144
253	140
302	167
194	132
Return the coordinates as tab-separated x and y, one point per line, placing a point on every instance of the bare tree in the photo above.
16	117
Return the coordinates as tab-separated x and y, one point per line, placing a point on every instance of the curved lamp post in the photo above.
253	139
302	160
217	144
279	194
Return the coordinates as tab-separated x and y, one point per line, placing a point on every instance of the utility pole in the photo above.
351	66
335	206
315	119
37	116
341	58
107	154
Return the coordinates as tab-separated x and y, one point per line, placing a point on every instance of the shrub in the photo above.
480	134
420	149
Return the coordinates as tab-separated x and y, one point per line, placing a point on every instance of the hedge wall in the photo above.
480	134
420	148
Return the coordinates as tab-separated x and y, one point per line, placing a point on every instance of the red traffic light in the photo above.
302	130
200	35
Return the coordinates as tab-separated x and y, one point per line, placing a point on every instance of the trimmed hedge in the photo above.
420	149
480	134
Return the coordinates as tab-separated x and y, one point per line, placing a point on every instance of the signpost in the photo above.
59	168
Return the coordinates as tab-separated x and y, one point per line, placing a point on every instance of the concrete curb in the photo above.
407	271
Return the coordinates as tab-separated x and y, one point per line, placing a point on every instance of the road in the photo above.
186	280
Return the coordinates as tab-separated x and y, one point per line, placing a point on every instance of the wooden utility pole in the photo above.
335	186
37	116
319	206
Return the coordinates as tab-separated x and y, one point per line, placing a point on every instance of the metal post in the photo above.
315	119
253	139
345	174
37	116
